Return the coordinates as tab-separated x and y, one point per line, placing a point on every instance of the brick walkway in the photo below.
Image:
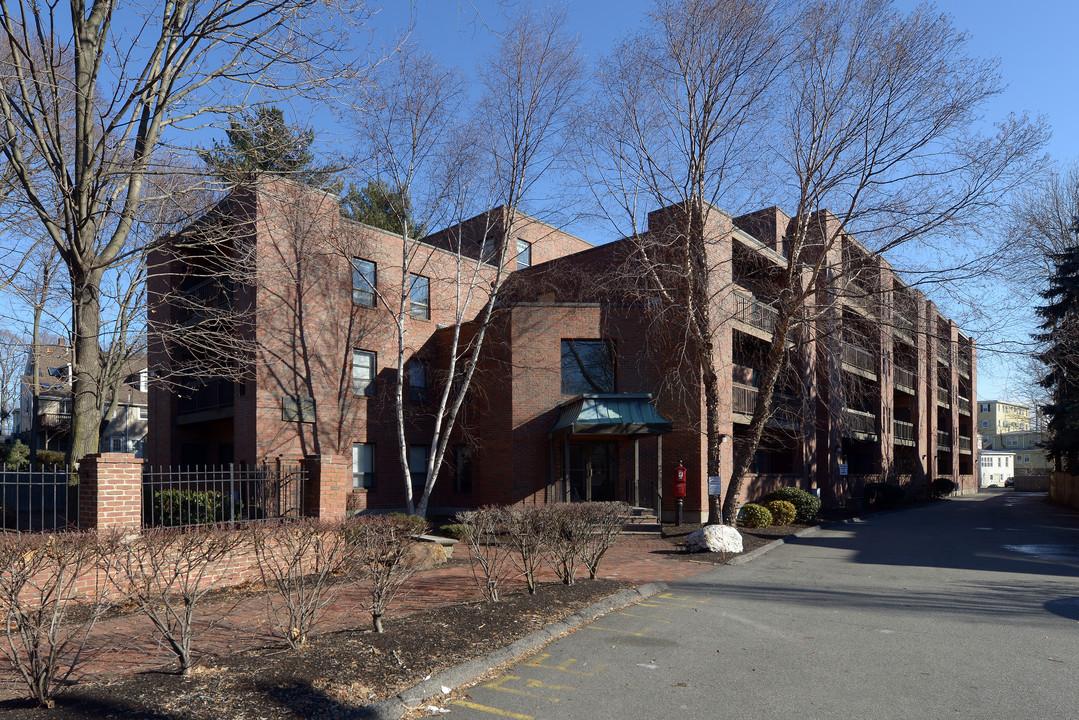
127	644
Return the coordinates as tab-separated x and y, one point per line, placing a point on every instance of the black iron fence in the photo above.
40	501
230	493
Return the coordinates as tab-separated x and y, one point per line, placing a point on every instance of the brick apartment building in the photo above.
574	398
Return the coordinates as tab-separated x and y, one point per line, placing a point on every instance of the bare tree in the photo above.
492	162
875	137
680	104
12	364
131	86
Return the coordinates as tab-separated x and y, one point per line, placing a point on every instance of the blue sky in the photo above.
1034	41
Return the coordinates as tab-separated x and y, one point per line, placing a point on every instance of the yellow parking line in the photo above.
498	685
645	617
492	710
670	596
563	667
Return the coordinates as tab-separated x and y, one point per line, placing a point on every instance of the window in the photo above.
417	467
298	408
984	423
985	407
363	465
462	464
587	367
364	277
1011	442
364	366
144	412
417	381
998	462
1025	459
116	444
419	296
489	249
524	254
144	377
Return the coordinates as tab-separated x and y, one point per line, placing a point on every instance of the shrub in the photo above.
482	528
414	524
882	496
525	527
942	487
50	458
605	521
783	512
298	561
49	611
455	531
755	516
805	503
15	455
173	508
568	531
381	544
167	572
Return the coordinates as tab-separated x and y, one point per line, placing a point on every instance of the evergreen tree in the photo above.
1060	328
381	206
261	142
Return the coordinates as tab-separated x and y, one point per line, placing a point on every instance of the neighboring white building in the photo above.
995	468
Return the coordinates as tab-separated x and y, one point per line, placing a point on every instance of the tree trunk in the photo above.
711	406
86	365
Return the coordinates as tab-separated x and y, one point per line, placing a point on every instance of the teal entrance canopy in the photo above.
610	414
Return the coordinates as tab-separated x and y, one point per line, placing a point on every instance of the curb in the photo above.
472	670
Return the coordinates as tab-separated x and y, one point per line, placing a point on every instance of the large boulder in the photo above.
715	538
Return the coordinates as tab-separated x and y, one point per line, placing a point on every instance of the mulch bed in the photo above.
335	674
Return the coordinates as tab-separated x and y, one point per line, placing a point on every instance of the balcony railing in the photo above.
944	352
964	366
212	395
859	421
904	327
193	302
755	313
53	420
744	401
859	358
964	405
944	440
964	443
905	378
904	431
944	397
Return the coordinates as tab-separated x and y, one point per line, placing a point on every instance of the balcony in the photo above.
865	301
964	445
964	366
964	405
194	302
944	352
859	424
944	397
754	313
904	433
211	400
785	409
54	420
904	328
944	441
859	359
905	379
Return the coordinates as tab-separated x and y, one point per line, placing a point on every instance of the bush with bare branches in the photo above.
167	572
300	560
380	557
482	530
568	531
605	520
525	533
49	610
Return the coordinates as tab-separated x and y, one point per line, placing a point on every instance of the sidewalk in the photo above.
127	644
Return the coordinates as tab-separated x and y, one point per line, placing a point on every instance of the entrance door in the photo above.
597	462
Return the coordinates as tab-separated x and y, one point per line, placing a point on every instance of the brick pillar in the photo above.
329	482
110	492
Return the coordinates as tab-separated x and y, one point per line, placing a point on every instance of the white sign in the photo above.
715	485
843	469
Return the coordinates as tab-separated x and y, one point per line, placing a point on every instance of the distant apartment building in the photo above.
995	417
125	430
573	399
1028	446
